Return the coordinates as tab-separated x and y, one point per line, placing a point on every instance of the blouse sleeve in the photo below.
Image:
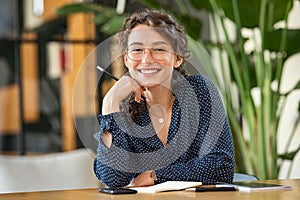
106	166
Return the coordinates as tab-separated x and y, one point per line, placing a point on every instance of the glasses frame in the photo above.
154	51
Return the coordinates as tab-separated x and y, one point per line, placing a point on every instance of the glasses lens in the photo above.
158	53
135	53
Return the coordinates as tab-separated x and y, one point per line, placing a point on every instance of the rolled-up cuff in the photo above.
106	122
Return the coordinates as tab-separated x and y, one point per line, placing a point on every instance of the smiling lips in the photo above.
149	71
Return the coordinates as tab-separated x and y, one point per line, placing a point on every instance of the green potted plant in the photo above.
258	69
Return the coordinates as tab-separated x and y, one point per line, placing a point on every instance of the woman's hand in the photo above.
143	179
122	89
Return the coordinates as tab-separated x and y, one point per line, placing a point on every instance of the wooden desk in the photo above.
91	194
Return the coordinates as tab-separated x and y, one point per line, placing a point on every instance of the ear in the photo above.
178	61
125	57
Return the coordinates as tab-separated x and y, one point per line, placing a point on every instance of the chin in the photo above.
150	85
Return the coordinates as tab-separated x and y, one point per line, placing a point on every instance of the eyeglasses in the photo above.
137	53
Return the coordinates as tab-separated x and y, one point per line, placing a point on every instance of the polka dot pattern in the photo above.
209	156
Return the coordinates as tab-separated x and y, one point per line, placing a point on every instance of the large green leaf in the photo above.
153	4
192	26
100	18
201	5
113	25
107	17
249	11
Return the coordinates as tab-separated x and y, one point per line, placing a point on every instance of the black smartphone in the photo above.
117	190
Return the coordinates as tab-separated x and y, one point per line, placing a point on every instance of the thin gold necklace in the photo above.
154	109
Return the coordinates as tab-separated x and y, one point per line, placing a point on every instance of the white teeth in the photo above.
149	71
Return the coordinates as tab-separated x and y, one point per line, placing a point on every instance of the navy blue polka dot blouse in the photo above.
199	144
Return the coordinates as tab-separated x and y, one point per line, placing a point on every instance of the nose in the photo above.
147	56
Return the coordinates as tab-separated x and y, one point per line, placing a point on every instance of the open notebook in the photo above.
167	186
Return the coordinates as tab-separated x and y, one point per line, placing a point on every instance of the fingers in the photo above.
136	88
138	94
121	90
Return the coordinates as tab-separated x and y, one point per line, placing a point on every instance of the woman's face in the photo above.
149	57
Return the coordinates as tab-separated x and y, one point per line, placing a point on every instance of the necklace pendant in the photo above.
161	120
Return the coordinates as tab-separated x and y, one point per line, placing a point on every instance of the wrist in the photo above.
110	106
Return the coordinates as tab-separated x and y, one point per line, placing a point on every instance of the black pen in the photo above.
112	76
215	188
109	74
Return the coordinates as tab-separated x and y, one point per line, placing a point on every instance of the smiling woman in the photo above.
157	123
150	58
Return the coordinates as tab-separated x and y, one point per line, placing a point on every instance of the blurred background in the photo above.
40	55
41	51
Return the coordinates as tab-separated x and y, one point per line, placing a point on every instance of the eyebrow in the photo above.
154	43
